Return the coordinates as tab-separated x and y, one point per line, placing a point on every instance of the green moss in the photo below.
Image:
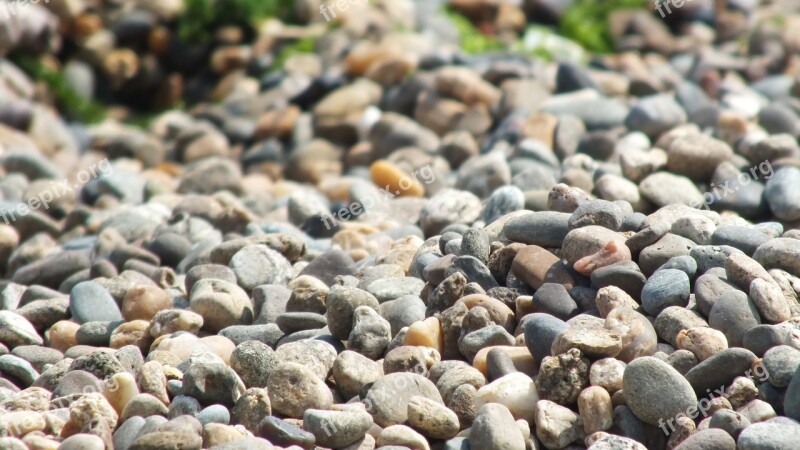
587	22
473	41
201	17
305	45
72	104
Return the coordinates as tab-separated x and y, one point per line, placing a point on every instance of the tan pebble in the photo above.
639	337
20	423
172	320
119	390
390	177
90	407
277	123
612	253
607	373
498	311
611	297
425	333
704	342
596	410
401	252
132	333
221	346
217	434
182	346
152	380
144	302
35	441
541	126
516	391
62	335
401	435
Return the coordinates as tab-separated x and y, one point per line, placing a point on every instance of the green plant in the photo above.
72	104
305	45
587	22
201	17
473	41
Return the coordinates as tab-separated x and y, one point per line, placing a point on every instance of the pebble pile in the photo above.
567	256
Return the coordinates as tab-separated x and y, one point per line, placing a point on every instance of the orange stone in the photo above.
62	335
425	333
536	266
390	177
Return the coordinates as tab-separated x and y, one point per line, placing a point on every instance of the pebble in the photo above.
336	429
544	228
371	333
293	389
221	304
667	287
89	301
432	419
734	314
400	388
556	425
654	391
494	429
341	303
781	193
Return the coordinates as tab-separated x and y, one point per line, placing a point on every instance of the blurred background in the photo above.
130	59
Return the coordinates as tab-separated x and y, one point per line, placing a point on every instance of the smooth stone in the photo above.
540	332
388	289
709	256
494	429
624	275
708	440
734	314
535	266
16	330
545	228
777	433
656	392
336	429
742	238
221	304
91	302
283	433
554	299
403	312
665	288
256	265
720	369
780	253
781	363
327	266
783	193
387	400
